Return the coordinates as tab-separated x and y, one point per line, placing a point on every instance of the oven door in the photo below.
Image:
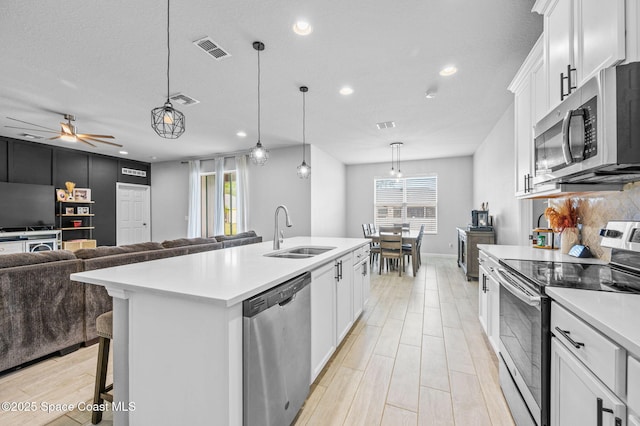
524	331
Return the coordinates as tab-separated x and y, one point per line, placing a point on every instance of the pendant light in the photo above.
259	154
304	170
397	146
165	120
392	172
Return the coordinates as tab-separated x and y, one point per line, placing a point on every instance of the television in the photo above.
27	207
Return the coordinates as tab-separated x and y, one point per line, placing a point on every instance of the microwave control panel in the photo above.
590	127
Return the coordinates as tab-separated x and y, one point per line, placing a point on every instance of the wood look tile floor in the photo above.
417	355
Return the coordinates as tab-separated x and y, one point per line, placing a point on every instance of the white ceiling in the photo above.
105	62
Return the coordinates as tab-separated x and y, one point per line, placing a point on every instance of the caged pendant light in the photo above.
392	172
304	170
259	154
167	121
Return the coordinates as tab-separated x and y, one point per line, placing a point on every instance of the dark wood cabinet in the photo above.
468	254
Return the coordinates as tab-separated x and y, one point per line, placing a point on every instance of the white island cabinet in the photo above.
178	326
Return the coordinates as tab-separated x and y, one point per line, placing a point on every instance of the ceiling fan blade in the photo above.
89	135
88	143
66	128
32	130
31	124
55	137
98	140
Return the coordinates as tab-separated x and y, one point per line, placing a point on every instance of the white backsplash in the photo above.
597	209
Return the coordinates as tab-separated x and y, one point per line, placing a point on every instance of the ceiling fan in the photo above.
67	132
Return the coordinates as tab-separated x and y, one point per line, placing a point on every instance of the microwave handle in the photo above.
566	141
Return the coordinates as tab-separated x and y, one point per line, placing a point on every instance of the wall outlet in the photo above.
530	237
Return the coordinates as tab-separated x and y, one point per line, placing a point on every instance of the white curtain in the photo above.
218	201
242	196
194	222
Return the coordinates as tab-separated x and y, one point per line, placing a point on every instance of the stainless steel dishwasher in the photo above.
277	352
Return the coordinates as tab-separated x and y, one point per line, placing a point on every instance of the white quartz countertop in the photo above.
530	253
613	314
226	276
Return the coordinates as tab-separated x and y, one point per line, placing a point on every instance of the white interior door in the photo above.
133	213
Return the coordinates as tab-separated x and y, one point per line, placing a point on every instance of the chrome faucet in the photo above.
279	239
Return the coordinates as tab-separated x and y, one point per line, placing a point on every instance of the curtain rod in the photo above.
223	155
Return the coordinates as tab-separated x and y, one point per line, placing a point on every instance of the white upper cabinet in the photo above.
581	37
600	41
530	104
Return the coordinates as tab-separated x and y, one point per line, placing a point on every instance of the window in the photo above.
407	200
208	203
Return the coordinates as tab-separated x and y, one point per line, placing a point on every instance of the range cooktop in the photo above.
575	275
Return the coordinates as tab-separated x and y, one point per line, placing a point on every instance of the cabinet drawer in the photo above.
12	247
602	356
633	385
358	254
488	263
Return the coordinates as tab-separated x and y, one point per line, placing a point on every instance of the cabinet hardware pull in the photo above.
565	334
600	409
337	277
569	71
562	79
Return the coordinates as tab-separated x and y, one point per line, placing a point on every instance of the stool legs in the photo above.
101	378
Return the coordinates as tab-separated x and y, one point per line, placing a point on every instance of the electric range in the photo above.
525	314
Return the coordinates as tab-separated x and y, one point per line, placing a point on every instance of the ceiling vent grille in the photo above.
385	125
212	48
183	99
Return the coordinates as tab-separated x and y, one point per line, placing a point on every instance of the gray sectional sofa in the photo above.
43	312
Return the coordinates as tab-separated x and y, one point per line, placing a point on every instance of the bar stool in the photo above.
104	327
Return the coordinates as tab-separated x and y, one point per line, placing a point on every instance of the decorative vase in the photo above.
70	187
568	238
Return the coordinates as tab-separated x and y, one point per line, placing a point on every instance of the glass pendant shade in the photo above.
259	154
304	170
167	121
395	146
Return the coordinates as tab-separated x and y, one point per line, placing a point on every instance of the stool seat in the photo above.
104	325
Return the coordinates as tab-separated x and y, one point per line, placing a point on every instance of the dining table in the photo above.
408	237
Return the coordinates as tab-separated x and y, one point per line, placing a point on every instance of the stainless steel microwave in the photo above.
593	136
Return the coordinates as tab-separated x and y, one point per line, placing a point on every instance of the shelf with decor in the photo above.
75	219
551	236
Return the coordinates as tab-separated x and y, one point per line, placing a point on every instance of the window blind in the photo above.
412	200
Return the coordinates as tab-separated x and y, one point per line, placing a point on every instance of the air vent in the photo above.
212	48
385	125
183	99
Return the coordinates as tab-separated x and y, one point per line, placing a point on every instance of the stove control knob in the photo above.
610	233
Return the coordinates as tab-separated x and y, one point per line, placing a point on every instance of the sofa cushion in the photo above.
151	245
246	234
21	259
182	242
90	253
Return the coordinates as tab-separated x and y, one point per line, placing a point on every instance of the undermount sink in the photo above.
302	252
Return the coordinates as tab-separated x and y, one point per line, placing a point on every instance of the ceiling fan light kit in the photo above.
304	170
259	154
167	121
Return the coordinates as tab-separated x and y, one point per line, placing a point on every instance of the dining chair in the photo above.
365	230
374	248
372	228
391	246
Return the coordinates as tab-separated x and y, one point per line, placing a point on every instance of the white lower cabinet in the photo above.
361	287
489	300
344	295
633	390
323	318
577	396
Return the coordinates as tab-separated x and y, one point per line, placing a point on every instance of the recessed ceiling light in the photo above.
346	90
302	28
430	94
449	70
123	152
241	134
153	157
30	136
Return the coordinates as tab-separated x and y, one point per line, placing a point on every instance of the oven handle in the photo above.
529	300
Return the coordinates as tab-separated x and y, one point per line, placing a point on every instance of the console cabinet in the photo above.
468	241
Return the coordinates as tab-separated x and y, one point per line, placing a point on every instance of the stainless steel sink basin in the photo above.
302	252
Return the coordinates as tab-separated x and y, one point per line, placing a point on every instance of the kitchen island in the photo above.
178	327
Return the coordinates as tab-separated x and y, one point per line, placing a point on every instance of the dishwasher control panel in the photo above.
276	295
